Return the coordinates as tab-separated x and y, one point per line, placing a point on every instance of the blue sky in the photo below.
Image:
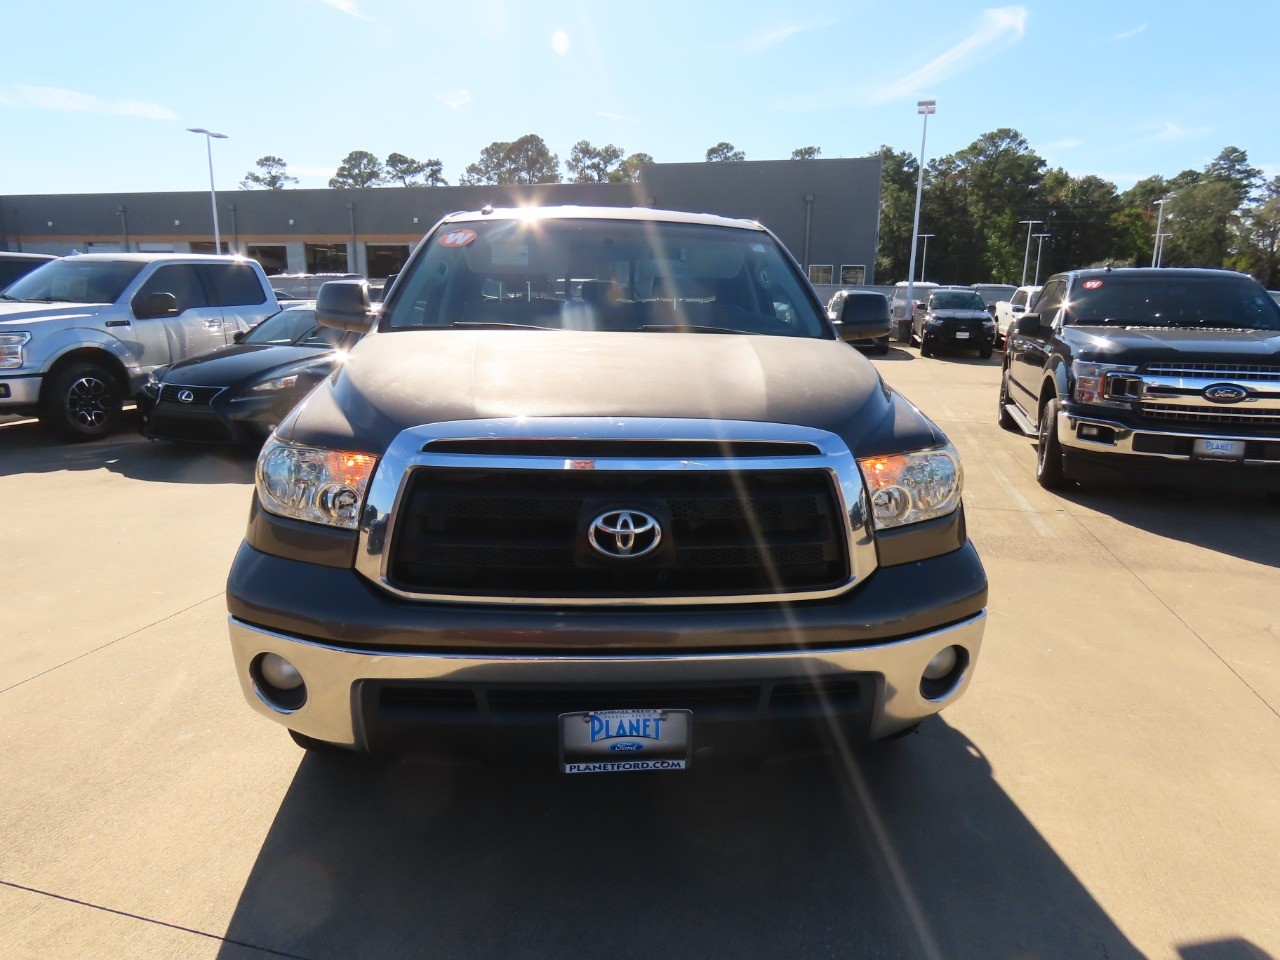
96	96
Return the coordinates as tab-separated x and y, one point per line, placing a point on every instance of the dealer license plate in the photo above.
615	741
1207	449
962	334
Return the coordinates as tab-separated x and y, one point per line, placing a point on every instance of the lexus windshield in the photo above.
75	281
605	275
1223	302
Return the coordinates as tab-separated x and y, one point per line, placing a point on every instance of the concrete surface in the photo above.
1110	786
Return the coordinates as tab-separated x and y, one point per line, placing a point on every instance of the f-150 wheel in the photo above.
1049	467
81	401
1004	418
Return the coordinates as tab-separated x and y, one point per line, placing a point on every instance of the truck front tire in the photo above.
81	401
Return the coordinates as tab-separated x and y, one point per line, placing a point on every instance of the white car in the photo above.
1008	311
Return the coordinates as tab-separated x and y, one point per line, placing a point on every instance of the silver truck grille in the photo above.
1209	415
1215	371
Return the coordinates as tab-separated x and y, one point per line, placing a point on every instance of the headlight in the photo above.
279	383
1091	381
313	484
931	321
911	487
11	345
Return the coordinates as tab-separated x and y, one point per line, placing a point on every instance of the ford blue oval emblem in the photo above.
1225	393
626	746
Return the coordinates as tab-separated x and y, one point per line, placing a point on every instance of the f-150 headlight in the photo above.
11	345
910	487
312	483
1091	381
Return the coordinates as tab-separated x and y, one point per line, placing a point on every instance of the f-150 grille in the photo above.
1216	371
1210	416
524	533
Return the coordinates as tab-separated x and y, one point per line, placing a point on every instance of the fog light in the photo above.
282	674
943	662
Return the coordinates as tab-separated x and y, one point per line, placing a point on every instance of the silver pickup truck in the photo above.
79	336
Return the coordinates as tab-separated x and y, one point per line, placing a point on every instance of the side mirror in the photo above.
156	305
1017	308
344	305
1028	325
851	327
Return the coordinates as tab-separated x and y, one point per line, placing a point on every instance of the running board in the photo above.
1020	418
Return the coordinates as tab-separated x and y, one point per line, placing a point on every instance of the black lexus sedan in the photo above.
238	393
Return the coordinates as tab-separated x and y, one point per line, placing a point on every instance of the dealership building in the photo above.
825	211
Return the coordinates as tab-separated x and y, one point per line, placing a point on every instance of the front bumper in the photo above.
19	393
338	708
946	337
242	420
1100	446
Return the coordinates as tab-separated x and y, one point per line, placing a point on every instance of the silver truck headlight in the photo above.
911	487
11	345
312	483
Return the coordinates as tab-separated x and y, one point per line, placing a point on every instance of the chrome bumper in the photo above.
23	391
1124	436
330	672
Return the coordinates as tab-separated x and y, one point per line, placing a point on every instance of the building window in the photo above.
852	274
271	256
385	259
820	273
326	258
206	246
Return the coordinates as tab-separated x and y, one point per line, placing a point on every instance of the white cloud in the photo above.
616	116
348	7
1125	35
766	40
23	95
1063	144
560	43
1000	27
1168	132
454	99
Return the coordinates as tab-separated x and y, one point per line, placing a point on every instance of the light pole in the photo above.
924	108
1039	244
209	137
1155	253
1027	253
924	254
1159	258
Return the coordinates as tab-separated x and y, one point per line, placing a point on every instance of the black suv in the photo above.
1168	375
954	318
864	305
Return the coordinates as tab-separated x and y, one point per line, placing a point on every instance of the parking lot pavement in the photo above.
1109	787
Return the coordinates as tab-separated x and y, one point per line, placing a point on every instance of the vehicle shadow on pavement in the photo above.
25	447
909	849
895	353
1247	527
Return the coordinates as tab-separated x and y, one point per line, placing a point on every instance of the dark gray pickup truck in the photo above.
603	486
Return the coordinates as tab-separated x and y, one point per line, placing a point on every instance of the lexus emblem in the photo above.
1225	393
624	534
186	396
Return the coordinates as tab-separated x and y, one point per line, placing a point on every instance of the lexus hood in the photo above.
395	380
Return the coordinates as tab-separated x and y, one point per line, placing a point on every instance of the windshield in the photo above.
76	281
293	328
1226	301
956	300
606	275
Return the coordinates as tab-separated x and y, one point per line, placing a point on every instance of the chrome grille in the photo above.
1209	415
201	396
1216	371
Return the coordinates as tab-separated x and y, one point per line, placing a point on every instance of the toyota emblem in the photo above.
186	396
1225	393
623	534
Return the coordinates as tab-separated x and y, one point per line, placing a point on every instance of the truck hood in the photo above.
20	314
1139	345
392	381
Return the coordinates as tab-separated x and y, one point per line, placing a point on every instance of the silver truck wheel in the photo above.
81	402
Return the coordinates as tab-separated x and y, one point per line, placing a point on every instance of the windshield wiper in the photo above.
5	296
685	328
496	325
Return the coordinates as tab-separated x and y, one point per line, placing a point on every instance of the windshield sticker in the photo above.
509	254
457	238
1092	284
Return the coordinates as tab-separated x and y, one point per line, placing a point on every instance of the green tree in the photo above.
527	160
359	168
1231	166
1260	236
1080	219
897	210
591	164
805	153
414	173
270	175
1202	222
724	151
629	170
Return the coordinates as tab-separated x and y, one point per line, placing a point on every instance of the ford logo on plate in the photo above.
1225	393
626	746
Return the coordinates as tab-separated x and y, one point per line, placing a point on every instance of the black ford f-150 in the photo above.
1167	375
603	485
